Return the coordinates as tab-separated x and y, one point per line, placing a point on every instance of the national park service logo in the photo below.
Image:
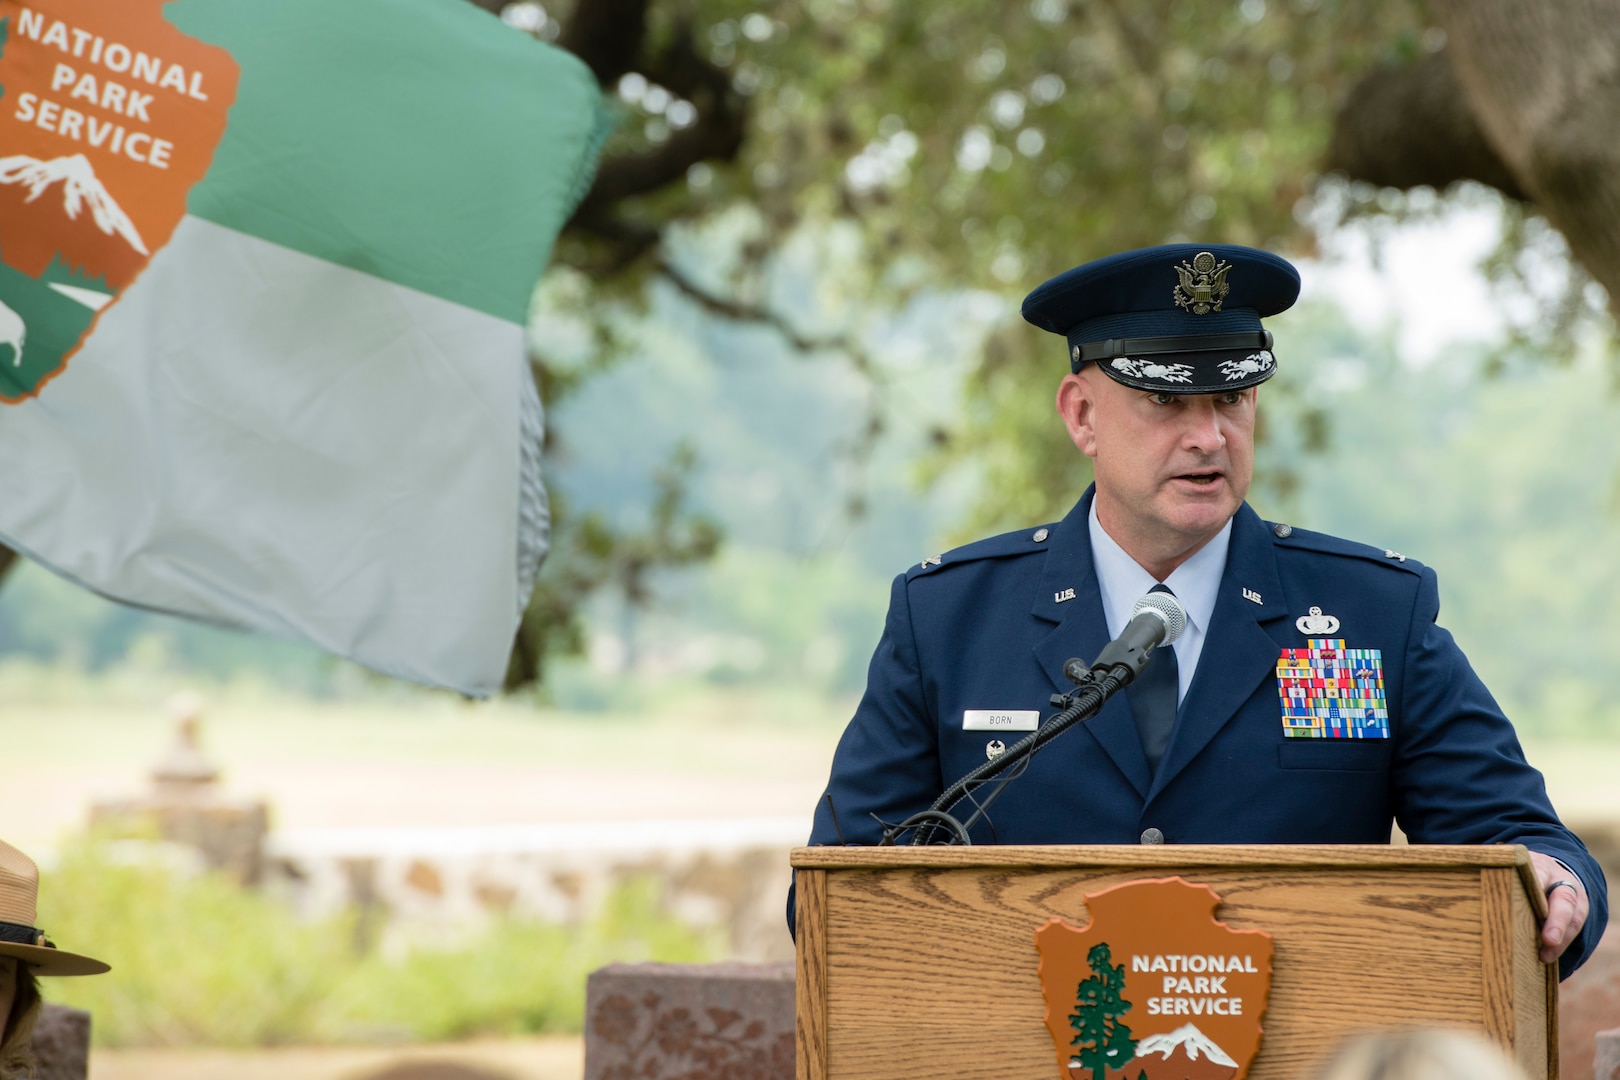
1203	283
1153	988
109	116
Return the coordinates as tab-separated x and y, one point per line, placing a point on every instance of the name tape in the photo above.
1000	719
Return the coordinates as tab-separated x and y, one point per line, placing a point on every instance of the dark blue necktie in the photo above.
1154	696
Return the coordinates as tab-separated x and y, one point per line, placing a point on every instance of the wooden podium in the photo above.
921	962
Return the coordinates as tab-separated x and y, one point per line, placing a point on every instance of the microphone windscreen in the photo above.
1167	607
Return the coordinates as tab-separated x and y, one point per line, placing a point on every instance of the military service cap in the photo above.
1182	318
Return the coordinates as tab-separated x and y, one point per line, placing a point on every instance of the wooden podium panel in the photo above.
921	962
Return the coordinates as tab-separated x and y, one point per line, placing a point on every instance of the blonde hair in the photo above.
17	1035
1424	1054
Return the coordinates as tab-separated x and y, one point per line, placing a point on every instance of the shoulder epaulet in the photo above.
1290	537
1007	545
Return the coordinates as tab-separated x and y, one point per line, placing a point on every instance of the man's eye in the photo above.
1162	398
1235	397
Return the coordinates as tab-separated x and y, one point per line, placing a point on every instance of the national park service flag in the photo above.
264	272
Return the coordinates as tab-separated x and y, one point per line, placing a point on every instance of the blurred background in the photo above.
781	356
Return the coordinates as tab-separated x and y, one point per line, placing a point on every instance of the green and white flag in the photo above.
264	273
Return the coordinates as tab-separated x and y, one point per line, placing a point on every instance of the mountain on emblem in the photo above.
1183	1054
79	188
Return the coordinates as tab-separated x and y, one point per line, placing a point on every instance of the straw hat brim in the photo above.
43	961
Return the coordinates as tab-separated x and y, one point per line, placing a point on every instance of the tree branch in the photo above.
627	240
607	35
741	311
1543	79
1402	127
857	451
716	136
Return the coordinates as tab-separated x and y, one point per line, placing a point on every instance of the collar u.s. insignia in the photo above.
1203	283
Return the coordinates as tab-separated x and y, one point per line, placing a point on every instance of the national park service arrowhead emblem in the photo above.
1154	988
110	116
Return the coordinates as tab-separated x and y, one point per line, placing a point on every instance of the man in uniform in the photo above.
1235	733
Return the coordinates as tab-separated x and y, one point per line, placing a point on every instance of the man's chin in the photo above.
1201	514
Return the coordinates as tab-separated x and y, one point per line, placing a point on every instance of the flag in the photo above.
264	274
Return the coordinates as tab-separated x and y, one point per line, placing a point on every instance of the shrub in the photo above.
199	960
196	958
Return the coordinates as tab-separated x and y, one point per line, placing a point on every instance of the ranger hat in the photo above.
19	893
1182	318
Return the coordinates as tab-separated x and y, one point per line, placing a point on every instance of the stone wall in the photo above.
720	875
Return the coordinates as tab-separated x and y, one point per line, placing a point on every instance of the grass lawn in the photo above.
421	758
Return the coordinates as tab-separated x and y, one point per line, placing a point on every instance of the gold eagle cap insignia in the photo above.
1203	283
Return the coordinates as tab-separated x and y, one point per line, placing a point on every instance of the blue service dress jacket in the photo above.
990	625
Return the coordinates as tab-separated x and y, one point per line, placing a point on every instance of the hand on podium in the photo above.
1566	905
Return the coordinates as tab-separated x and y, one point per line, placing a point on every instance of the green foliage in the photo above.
518	978
1102	1040
199	960
998	143
977	144
985	144
195	958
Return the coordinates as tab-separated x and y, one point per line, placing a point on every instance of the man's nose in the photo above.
1203	432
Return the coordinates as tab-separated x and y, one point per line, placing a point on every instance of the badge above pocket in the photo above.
1329	691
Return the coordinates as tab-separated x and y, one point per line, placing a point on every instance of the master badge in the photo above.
1317	624
1153	986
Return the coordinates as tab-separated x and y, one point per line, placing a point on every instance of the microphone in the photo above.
1158	619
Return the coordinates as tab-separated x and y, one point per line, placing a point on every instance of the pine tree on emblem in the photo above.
1102	1041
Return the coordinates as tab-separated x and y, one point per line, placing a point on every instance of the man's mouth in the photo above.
1203	479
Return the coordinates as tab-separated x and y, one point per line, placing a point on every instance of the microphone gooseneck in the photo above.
1158	619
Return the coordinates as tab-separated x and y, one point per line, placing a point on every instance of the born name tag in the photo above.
1000	719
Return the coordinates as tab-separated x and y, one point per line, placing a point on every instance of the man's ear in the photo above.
1077	404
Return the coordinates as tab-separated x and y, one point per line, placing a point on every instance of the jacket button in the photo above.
1283	531
1152	836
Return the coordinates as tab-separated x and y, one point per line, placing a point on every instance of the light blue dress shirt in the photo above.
1196	582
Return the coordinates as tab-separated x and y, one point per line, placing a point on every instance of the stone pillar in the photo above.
690	1019
1606	1059
62	1043
185	806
